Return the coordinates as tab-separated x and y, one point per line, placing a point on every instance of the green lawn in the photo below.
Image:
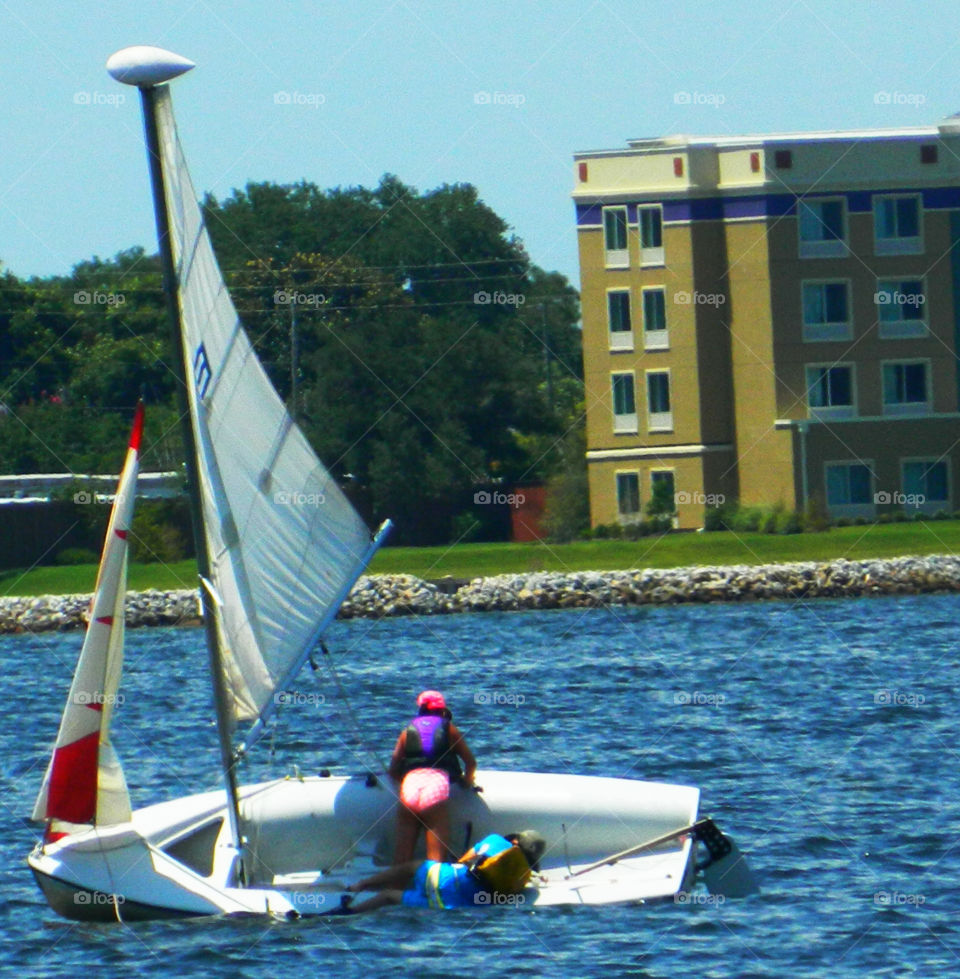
474	560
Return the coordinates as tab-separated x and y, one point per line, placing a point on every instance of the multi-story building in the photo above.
766	318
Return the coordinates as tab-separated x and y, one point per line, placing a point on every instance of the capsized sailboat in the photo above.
272	577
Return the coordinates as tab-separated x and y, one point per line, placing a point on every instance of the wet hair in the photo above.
532	846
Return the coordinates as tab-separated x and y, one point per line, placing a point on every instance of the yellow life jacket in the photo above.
506	872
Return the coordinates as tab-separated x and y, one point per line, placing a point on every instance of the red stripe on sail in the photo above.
137	428
72	793
122	534
105	619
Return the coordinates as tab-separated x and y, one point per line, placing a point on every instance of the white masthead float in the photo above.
272	578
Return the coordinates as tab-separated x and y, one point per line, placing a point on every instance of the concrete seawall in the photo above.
378	596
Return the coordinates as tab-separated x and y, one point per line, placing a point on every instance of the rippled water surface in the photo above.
824	738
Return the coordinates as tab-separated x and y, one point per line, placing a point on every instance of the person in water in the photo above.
497	866
426	759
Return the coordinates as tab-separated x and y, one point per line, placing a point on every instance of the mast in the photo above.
146	68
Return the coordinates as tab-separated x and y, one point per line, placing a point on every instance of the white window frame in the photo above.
897	244
931	506
907	407
654	339
823	247
828	412
625	424
616	258
900	328
650	255
620	339
851	510
815	332
631	515
659	421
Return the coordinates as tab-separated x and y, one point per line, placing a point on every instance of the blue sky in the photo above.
339	94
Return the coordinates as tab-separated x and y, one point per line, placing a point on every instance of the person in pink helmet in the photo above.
426	759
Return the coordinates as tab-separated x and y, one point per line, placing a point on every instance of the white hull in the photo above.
307	838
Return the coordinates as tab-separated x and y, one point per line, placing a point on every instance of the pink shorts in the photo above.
423	788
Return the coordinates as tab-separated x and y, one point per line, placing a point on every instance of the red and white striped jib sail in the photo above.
84	784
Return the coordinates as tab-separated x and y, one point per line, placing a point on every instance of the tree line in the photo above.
422	352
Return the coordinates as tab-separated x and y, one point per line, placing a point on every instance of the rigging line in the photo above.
351	713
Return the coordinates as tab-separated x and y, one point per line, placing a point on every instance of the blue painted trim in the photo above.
759	206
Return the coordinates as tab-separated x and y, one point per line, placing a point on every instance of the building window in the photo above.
897	225
905	388
624	403
783	159
926	485
618	319
655	319
659	413
826	311
830	391
822	228
628	494
901	308
615	237
650	220
849	489
928	153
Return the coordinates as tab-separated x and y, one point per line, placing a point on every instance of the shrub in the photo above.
747	519
634	531
154	537
76	555
842	522
789	522
816	517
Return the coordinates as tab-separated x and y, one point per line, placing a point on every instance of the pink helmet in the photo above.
432	700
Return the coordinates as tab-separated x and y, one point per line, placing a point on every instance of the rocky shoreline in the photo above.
379	596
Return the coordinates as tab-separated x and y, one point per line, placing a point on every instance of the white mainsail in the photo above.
84	784
284	542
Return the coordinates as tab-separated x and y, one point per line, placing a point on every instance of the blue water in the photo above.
824	737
